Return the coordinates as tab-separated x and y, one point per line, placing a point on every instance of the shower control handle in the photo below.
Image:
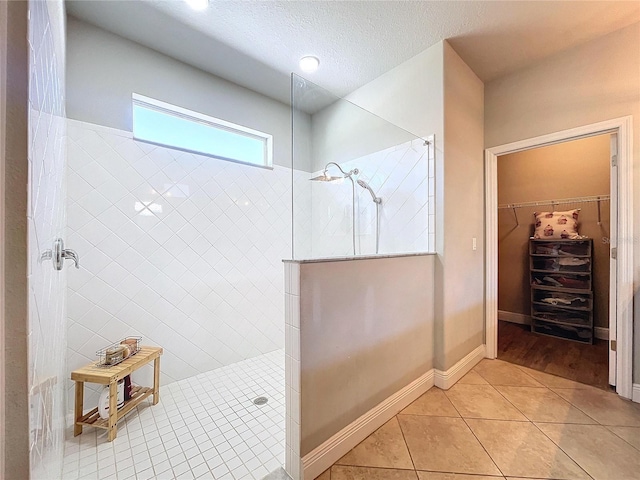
68	254
58	254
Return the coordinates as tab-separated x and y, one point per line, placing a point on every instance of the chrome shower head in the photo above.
366	186
325	178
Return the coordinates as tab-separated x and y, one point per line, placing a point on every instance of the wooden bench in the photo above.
110	376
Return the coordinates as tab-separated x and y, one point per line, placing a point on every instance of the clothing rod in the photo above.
553	203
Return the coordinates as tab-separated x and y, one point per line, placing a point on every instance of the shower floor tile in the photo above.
205	426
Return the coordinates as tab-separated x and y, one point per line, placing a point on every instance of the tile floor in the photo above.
204	427
502	421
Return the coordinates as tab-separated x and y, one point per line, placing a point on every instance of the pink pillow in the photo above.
553	225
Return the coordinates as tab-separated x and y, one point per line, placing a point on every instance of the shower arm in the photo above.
348	174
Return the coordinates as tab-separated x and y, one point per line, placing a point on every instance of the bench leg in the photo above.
79	408
113	411
156	380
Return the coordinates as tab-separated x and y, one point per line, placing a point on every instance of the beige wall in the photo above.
460	291
14	75
366	331
596	81
572	169
410	95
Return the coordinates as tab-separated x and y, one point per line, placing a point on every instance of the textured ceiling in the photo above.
257	44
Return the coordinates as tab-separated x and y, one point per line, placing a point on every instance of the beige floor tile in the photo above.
497	372
340	472
434	403
521	450
606	408
326	475
482	401
383	448
472	378
549	380
601	453
629	434
454	476
543	405
444	444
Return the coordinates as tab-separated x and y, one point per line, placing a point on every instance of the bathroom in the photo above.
293	302
186	249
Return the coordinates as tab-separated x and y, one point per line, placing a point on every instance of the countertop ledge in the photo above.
360	257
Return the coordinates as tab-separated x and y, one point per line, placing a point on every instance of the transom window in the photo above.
168	125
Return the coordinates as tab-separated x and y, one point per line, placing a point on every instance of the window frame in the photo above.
197	117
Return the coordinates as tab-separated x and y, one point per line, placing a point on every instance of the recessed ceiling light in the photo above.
198	4
309	64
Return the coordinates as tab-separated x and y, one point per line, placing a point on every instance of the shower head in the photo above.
325	178
366	186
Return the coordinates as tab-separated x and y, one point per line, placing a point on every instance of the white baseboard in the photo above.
514	317
636	393
599	332
447	379
325	455
322	457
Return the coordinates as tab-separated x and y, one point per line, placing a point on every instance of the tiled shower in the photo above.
403	177
182	249
186	251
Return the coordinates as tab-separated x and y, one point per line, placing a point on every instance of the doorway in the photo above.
543	323
619	344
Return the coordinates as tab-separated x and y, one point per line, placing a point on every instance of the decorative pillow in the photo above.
557	224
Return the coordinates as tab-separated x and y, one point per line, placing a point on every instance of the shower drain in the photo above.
261	400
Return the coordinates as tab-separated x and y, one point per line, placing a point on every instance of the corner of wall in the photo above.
462	282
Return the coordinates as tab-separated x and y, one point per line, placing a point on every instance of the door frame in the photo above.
623	127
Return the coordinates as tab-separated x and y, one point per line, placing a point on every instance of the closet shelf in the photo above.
555	255
557	322
563	307
563	272
562	289
554	203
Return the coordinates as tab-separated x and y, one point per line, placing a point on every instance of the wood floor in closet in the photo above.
579	362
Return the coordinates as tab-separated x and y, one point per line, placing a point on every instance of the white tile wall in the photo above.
204	427
403	176
293	461
47	287
183	249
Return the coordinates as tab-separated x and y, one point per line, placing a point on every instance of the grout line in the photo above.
573	405
562	450
475	436
538	428
624	440
404	439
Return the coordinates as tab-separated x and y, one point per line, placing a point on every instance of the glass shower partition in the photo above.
361	186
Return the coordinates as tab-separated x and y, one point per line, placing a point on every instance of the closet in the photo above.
553	290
